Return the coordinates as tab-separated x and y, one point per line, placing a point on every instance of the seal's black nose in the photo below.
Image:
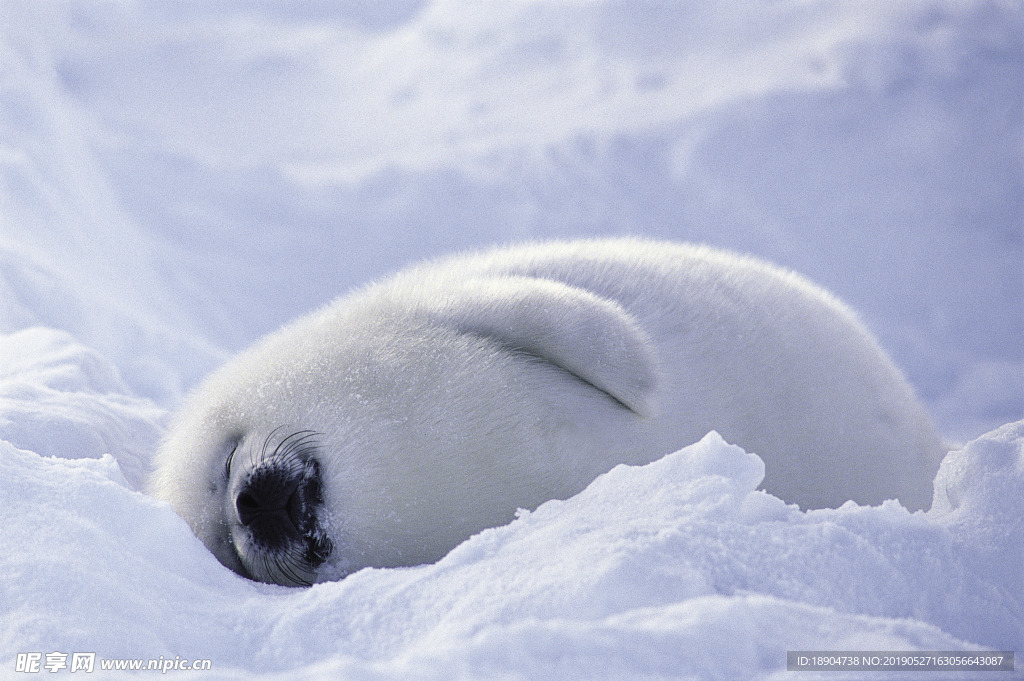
277	504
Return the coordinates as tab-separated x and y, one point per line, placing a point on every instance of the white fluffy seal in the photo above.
391	425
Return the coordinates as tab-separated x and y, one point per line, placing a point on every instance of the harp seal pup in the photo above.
399	420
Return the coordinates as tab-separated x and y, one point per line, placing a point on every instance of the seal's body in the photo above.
391	425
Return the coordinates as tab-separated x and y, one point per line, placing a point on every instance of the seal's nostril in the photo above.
296	509
247	508
314	492
302	503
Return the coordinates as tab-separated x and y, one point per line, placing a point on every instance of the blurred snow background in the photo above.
177	179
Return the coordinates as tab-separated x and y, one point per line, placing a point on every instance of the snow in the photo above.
677	569
178	179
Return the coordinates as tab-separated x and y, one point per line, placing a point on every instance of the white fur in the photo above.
460	390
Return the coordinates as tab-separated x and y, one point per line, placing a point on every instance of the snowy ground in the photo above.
176	182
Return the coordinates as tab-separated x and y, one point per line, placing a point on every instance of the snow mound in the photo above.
60	398
680	568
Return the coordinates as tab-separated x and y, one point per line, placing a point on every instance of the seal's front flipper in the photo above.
589	336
